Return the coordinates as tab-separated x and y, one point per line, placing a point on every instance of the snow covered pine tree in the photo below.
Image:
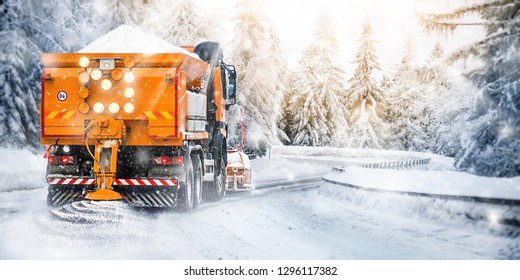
364	96
179	23
492	148
28	28
445	99
320	117
405	105
280	64
257	79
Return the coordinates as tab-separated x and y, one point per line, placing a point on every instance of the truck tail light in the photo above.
62	160
167	160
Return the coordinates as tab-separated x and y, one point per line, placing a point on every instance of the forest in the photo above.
463	104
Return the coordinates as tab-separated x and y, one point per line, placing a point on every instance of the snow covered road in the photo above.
283	219
277	223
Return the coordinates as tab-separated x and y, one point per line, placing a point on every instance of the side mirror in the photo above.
232	88
232	85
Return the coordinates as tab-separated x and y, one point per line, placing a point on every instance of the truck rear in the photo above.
147	128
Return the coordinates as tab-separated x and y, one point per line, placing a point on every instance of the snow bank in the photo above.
128	39
21	170
278	169
418	212
430	182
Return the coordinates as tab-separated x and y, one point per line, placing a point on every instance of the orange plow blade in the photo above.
103	194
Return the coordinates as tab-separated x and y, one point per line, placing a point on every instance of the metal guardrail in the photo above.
398	165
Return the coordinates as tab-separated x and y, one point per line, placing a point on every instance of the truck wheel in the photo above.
185	197
197	181
217	188
221	180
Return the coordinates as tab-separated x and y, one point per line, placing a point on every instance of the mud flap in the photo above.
59	195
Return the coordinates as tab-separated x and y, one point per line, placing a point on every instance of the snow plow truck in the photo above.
146	128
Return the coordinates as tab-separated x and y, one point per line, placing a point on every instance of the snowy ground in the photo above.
282	220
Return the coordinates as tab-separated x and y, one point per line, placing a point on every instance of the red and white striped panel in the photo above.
71	181
146	182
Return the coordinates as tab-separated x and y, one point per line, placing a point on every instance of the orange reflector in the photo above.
117	74
83	92
103	194
83	108
129	61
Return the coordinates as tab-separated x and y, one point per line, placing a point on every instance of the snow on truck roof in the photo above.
129	39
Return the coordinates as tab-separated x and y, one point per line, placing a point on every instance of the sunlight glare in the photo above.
494	218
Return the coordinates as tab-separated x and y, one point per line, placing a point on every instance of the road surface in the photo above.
280	220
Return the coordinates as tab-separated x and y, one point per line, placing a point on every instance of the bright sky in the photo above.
392	21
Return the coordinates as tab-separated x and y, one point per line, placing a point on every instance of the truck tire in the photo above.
216	190
220	181
185	195
197	181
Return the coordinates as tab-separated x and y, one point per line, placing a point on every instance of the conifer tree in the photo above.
28	28
364	96
257	81
436	54
279	65
445	102
18	108
319	116
287	121
407	64
491	144
404	110
119	12
179	23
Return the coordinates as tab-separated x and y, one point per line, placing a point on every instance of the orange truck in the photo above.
147	128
